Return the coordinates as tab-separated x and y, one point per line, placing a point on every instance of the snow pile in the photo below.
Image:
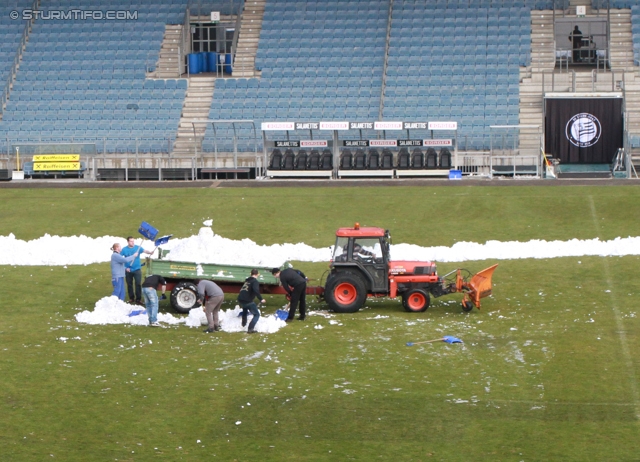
496	250
231	321
208	247
112	310
56	250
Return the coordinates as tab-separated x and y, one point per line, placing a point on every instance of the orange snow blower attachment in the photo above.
479	286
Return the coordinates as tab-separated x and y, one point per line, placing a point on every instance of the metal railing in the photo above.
559	82
478	164
184	47
234	42
212	158
104	146
600	80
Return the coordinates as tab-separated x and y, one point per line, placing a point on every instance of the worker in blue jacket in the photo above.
117	269
133	270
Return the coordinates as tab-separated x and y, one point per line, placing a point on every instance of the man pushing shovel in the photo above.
250	290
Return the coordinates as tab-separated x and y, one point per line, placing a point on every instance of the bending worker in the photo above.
295	283
211	296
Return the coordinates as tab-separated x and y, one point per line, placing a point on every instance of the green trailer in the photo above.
181	277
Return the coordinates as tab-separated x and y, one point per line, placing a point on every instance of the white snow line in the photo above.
624	343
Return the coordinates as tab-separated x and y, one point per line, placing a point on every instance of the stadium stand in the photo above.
10	34
445	60
464	67
224	7
317	67
85	80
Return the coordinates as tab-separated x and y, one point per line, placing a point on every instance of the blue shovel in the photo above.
446	338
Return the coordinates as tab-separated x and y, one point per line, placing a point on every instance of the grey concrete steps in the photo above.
197	105
168	65
248	38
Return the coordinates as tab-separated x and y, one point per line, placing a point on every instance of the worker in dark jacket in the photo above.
575	37
249	291
295	283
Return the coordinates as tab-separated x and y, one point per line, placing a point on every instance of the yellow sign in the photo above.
52	166
56	158
188	268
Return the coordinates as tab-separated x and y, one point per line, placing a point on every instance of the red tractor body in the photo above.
361	267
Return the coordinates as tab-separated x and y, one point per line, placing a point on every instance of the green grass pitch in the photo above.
548	370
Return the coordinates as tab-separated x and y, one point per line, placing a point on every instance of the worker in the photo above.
117	269
211	296
294	283
250	290
149	291
133	271
575	37
359	251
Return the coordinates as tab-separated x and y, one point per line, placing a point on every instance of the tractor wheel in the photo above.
415	300
184	297
467	305
345	292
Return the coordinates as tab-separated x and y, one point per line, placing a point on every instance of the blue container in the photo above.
202	56
227	63
148	231
212	57
194	62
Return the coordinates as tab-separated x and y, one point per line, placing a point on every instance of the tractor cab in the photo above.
366	249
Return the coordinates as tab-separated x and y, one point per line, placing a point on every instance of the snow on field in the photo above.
111	310
207	247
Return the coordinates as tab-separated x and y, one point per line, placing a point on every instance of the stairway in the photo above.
531	78
196	106
248	38
168	65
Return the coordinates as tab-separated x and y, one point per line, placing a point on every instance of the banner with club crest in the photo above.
583	130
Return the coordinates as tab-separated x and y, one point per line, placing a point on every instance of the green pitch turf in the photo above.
548	369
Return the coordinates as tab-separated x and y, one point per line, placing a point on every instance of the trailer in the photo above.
181	277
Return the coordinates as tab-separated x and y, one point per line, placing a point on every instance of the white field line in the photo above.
553	403
624	344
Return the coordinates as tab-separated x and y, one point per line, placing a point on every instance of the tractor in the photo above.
361	267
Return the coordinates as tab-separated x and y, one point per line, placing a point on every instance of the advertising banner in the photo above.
583	130
55	166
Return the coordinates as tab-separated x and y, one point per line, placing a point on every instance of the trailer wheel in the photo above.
345	292
467	305
184	297
415	301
